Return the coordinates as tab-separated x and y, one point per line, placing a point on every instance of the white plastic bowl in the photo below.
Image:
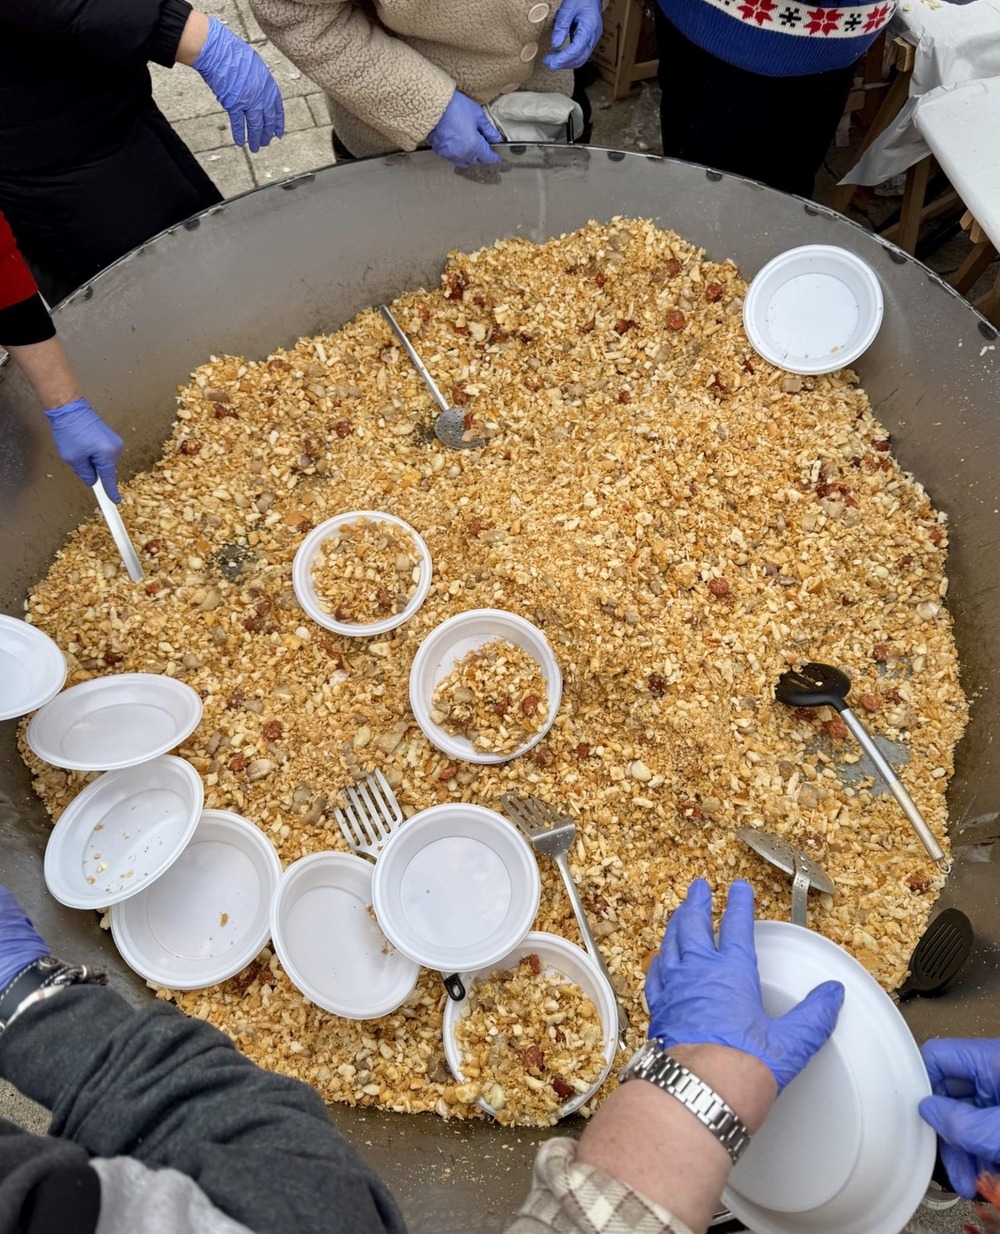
813	309
844	1151
306	593
453	639
329	943
32	668
558	955
456	887
124	830
116	721
209	915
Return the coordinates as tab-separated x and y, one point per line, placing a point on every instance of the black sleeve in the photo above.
171	1091
126	30
27	322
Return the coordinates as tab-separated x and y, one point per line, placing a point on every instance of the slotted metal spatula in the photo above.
553	834
822	685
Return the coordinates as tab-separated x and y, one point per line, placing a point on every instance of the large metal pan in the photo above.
305	255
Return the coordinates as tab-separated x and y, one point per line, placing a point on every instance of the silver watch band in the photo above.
653	1063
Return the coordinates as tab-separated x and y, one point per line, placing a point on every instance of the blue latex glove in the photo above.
698	991
87	444
463	133
965	1110
243	84
580	22
20	942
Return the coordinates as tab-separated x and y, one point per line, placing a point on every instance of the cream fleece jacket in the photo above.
390	67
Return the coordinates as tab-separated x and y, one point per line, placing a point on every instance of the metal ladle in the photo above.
449	427
805	872
822	685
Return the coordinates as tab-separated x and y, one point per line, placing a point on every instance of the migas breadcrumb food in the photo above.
681	519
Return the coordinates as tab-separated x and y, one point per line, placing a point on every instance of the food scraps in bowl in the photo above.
495	696
531	1041
366	571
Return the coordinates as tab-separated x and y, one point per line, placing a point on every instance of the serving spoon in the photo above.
804	870
449	427
822	685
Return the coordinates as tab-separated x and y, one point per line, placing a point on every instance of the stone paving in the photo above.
192	109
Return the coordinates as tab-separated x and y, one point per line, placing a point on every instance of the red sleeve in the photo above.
24	319
16	281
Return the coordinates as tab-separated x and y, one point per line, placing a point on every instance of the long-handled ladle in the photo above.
822	685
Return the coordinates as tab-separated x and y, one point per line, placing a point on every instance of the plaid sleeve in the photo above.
569	1198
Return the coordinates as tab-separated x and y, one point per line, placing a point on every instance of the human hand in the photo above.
965	1108
20	942
87	444
463	133
243	84
700	992
580	22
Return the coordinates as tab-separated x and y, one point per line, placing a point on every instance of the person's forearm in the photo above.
45	365
649	1140
193	38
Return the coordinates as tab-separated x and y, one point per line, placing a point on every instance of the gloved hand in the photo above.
965	1110
243	84
463	133
580	22
87	444
20	942
698	991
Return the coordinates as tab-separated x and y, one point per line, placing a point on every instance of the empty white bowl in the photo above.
116	721
32	668
558	955
844	1151
306	593
813	309
330	944
209	915
456	887
453	639
123	830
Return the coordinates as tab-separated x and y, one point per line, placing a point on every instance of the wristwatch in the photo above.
40	980
652	1062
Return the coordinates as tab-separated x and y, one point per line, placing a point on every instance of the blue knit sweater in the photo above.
780	38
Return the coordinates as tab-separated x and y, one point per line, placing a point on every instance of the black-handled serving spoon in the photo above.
822	685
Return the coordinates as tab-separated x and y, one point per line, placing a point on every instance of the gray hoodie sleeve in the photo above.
170	1091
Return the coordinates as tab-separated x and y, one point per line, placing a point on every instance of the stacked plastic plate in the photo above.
189	891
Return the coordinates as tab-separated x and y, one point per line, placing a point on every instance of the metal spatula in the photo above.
822	685
941	952
553	834
804	870
449	427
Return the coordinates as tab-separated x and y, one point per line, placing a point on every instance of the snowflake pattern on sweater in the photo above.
780	38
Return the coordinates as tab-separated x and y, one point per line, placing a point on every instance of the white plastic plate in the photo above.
124	830
305	592
453	639
813	309
456	888
113	722
209	915
32	668
557	955
329	942
844	1150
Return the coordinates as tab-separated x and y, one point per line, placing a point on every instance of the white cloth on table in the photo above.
954	43
961	125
